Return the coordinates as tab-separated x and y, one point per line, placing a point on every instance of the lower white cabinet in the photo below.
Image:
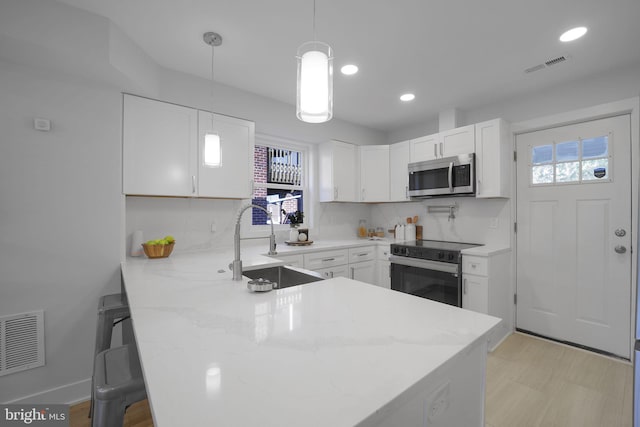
318	261
337	271
363	271
485	289
383	266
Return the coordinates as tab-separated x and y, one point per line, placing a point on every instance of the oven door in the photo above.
437	281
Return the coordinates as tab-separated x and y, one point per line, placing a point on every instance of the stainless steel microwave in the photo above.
447	176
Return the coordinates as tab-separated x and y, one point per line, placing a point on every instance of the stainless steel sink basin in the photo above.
286	276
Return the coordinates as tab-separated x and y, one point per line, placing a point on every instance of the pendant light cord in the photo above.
314	20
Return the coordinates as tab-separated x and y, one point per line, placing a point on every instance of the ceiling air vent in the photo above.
547	64
21	342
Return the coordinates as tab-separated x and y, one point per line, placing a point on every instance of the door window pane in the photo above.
542	154
568	172
595	169
567	151
595	147
542	174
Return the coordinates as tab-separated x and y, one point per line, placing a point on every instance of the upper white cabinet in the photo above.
425	148
374	173
338	175
163	151
444	144
233	177
159	148
492	159
399	158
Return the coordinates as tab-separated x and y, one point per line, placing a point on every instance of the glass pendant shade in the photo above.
314	102
212	150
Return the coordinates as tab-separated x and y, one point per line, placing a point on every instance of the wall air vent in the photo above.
555	61
547	64
21	342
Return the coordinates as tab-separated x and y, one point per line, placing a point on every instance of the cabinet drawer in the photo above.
331	272
475	265
383	252
325	259
362	254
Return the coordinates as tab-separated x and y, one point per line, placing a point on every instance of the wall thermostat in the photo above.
42	124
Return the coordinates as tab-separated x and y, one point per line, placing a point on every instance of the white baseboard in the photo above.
69	394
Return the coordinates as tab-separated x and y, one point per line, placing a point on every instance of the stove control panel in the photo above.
422	252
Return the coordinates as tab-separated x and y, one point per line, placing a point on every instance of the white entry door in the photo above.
574	233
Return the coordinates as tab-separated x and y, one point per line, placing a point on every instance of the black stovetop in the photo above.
436	250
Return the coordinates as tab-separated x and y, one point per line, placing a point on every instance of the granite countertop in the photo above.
330	353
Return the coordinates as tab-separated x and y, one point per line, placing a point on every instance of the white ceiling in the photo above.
450	53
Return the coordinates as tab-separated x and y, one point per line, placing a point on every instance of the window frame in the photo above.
305	150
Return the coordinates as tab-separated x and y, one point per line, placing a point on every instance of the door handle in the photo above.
620	249
620	232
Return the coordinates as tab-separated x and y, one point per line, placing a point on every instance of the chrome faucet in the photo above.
236	265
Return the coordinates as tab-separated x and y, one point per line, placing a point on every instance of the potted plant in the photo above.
295	218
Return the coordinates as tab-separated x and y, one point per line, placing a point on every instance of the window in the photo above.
571	162
279	179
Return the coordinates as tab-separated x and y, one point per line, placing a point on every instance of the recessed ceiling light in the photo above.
407	97
573	34
349	69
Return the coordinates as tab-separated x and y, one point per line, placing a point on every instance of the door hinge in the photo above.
515	299
515	156
515	227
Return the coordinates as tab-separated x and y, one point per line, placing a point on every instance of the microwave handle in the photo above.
451	177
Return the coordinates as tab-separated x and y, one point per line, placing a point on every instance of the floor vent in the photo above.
21	342
547	64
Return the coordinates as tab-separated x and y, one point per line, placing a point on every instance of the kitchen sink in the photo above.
285	276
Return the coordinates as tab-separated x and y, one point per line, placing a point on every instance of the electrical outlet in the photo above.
437	404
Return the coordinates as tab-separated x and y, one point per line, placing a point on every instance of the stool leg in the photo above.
104	332
108	413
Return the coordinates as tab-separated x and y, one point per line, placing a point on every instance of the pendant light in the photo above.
314	101
212	155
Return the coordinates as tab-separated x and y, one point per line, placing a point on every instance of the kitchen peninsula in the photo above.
332	353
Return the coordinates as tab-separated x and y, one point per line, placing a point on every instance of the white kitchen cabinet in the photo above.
364	253
383	266
485	289
444	144
338	174
493	159
425	148
159	148
316	261
399	158
336	271
163	151
233	177
374	173
457	141
363	271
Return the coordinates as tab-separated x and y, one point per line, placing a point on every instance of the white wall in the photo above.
59	219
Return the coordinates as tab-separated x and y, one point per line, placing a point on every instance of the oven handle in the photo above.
426	264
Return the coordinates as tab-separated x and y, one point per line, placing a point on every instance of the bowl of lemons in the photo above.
160	248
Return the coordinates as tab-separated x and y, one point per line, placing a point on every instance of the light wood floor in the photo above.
534	382
530	382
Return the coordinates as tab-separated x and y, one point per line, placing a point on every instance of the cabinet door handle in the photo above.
464	287
331	272
363	194
353	272
335	192
435	150
193	184
441	153
362	254
328	259
406	192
